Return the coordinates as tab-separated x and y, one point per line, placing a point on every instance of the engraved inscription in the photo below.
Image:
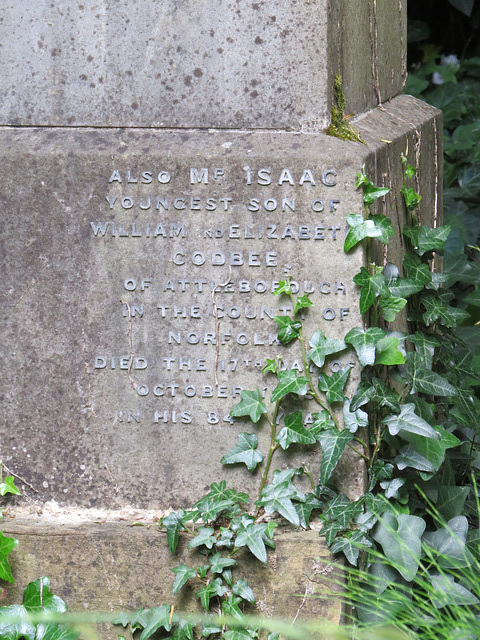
198	317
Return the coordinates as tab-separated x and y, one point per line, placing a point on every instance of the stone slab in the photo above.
142	63
113	566
76	245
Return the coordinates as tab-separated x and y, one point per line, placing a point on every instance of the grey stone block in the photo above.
209	63
111	347
113	566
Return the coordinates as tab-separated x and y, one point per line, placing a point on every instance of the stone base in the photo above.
115	566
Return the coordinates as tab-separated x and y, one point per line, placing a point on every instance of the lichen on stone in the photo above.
339	127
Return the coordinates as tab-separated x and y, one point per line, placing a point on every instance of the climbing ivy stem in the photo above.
273	447
308	473
378	442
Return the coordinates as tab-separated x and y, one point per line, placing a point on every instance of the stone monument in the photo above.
165	166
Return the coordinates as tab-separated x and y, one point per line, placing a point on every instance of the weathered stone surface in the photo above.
222	63
114	566
76	246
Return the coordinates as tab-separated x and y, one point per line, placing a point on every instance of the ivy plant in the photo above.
7	545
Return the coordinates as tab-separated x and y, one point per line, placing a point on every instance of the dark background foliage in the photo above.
450	25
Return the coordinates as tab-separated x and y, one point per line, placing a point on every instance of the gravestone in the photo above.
164	168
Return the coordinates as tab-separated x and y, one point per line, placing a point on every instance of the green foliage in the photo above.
17	621
7	545
339	127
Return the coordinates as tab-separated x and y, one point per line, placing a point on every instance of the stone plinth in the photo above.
113	566
139	271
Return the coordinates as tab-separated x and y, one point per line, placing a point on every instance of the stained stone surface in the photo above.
114	566
139	296
208	63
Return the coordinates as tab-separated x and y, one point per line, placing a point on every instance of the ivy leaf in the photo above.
448	593
451	501
409	457
8	486
378	226
15	623
183	574
383	224
468	406
230	607
250	405
278	498
271	365
283	287
157	617
390	306
209	507
403	288
288	329
392	487
350	545
370	191
38	597
431	449
213	588
219	500
208	628
408	420
353	420
51	631
322	347
400	539
364	343
252	535
136	619
242	589
340	510
425	239
333	444
416	271
372	287
244	451
174	524
422	379
184	631
372	389
321	421
304	509
239	634
425	346
387	351
6	546
289	382
204	537
280	477
334	385
449	543
218	563
412	198
303	302
219	491
408	170
294	431
437	310
225	539
330	531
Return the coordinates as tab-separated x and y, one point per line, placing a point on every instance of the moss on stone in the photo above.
339	127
